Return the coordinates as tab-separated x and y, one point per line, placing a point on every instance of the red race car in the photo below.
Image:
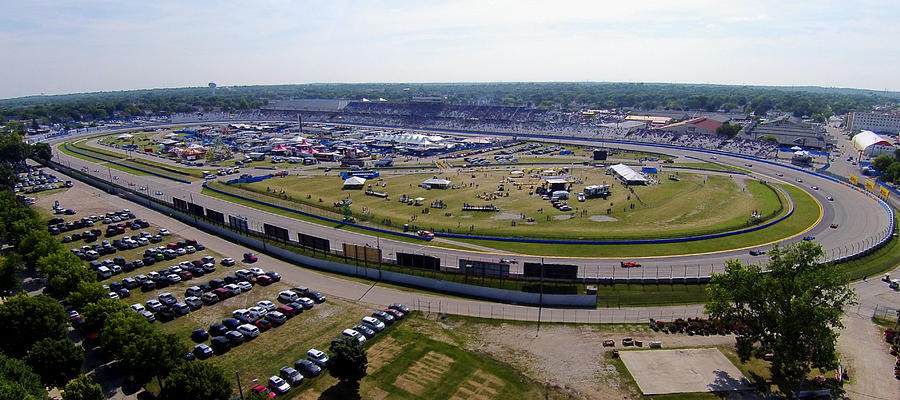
629	264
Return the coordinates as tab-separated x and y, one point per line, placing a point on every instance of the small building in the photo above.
872	144
627	175
596	191
701	125
354	183
801	158
437	183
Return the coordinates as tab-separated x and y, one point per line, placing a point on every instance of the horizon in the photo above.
103	46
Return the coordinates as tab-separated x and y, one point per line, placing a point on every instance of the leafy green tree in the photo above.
86	292
792	312
728	130
16	219
13	150
8	177
37	243
56	361
892	172
83	388
882	162
27	320
121	328
64	271
41	151
96	314
769	138
348	360
10	267
19	382
196	380
152	355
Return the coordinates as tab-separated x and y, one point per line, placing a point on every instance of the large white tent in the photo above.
627	175
354	182
871	144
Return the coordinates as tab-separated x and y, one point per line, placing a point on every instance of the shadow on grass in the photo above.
342	391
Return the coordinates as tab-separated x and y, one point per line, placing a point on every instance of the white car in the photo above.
245	316
373	323
249	331
245	286
256	271
190	249
227	261
267	305
113	295
164	232
318	357
137	307
233	288
287	296
278	385
259	311
353	334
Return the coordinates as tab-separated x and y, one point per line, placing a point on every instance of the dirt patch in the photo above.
424	373
684	371
507	216
562	217
572	358
375	393
479	386
387	350
602	218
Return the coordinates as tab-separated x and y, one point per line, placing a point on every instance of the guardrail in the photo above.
66	145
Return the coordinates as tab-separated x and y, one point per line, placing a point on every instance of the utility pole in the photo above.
240	389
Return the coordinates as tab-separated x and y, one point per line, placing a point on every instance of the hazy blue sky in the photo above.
74	46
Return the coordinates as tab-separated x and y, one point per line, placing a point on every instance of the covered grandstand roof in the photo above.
306	105
864	139
625	173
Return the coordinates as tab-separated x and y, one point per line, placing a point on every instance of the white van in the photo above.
249	331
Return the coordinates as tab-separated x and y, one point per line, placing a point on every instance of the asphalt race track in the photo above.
861	220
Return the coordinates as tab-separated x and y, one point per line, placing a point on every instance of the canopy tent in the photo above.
354	182
796	148
125	136
437	183
627	175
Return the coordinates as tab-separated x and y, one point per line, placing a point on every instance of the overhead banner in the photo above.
854	180
884	193
870	186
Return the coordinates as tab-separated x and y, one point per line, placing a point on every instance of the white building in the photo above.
871	144
877	122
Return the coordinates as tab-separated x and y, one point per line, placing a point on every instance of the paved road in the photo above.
860	220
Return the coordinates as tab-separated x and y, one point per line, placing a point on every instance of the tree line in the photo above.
818	103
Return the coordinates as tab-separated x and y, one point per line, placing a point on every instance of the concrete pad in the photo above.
683	371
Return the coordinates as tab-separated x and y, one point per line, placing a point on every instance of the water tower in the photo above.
212	88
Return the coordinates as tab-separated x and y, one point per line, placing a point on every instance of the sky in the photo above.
56	46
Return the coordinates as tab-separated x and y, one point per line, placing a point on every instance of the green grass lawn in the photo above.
163	168
701	165
698	204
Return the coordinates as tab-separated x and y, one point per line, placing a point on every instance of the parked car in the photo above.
317	356
263	391
264	280
220	344
249	331
209	298
267	305
374	323
278	385
286	310
263	325
400	307
308	368
202	351
353	334
384	317
217	329
245	286
167	298
199	335
193	302
292	376
287	296
227	261
231	323
365	331
235	338
250	258
316	296
276	318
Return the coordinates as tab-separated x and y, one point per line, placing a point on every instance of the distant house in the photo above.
787	131
701	125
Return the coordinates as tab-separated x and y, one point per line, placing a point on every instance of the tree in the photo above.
64	271
10	267
348	360
17	381
83	388
196	380
882	162
769	138
728	130
56	361
152	355
41	151
97	313
13	150
791	312
86	292
36	244
892	173
29	319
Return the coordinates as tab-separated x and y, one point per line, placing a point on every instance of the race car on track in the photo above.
629	264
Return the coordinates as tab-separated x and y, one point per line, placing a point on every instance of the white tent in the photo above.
627	175
437	183
796	148
354	182
125	136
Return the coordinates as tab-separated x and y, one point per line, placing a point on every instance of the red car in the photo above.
250	258
186	275
223	293
263	324
629	264
426	234
287	311
263	391
834	226
264	280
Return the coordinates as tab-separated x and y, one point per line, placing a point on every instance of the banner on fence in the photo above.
239	223
870	186
484	268
854	180
215	216
276	232
357	252
418	261
884	193
313	242
550	271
